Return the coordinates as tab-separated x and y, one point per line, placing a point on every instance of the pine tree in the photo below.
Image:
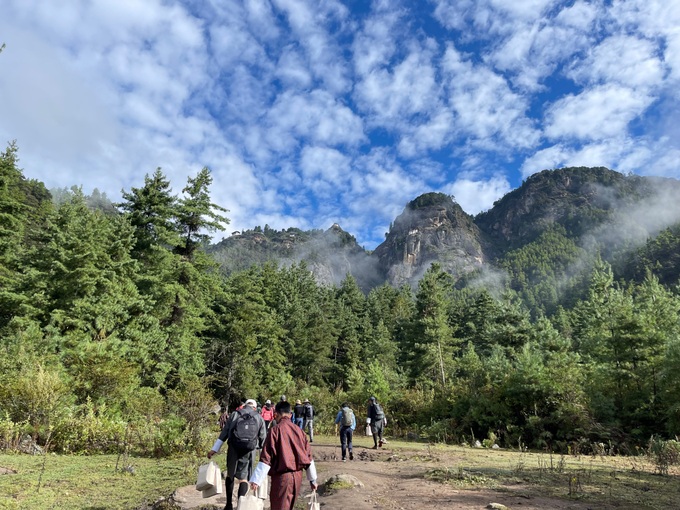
435	344
197	215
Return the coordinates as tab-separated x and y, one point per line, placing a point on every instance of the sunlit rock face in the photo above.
432	228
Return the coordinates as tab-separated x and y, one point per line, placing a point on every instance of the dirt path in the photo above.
392	483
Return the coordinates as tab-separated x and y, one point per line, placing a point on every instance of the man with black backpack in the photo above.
244	432
309	419
347	423
377	420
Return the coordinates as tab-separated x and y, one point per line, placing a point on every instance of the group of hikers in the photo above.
279	434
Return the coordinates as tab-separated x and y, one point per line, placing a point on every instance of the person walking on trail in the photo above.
286	452
377	420
267	413
308	423
299	413
244	432
348	423
224	417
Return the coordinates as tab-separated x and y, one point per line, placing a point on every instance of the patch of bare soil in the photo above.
395	482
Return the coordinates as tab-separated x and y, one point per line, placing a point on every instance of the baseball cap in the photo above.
250	402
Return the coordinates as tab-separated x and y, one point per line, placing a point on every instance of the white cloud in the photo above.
291	69
375	44
432	134
475	196
325	170
597	113
656	20
545	159
624	154
394	95
317	116
486	109
309	20
313	111
490	17
534	52
48	105
626	60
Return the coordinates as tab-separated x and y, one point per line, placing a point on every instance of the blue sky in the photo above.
314	112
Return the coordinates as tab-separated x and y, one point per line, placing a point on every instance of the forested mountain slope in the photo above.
540	239
541	322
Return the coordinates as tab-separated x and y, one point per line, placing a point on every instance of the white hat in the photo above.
250	402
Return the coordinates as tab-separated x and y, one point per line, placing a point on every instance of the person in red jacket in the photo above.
267	412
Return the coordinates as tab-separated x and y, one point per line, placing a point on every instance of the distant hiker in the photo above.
224	417
348	423
267	412
285	454
283	398
299	413
243	432
309	419
377	420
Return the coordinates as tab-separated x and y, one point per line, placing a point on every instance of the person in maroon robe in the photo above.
286	452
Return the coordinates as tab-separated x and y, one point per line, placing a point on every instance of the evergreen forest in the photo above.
118	327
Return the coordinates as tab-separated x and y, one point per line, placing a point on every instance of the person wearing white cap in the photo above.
244	432
267	412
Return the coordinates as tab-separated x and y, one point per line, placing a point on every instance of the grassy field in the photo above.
108	482
89	482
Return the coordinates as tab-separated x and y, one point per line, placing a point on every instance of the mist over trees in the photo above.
115	323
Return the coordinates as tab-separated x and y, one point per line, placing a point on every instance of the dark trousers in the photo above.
239	465
346	440
377	429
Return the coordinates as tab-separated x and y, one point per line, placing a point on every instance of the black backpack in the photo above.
379	414
309	412
245	434
347	417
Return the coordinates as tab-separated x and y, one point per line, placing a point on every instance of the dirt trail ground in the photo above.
396	481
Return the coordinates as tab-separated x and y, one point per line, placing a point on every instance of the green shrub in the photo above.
193	402
89	430
38	395
11	432
663	453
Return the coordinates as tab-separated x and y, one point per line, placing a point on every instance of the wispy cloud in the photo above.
310	112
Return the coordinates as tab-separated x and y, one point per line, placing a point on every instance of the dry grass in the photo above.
621	482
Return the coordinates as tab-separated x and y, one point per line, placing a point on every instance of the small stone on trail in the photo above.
497	506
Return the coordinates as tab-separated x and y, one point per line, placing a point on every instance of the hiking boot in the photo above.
344	459
351	456
374	447
380	443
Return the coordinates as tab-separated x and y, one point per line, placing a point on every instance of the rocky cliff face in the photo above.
585	203
432	228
